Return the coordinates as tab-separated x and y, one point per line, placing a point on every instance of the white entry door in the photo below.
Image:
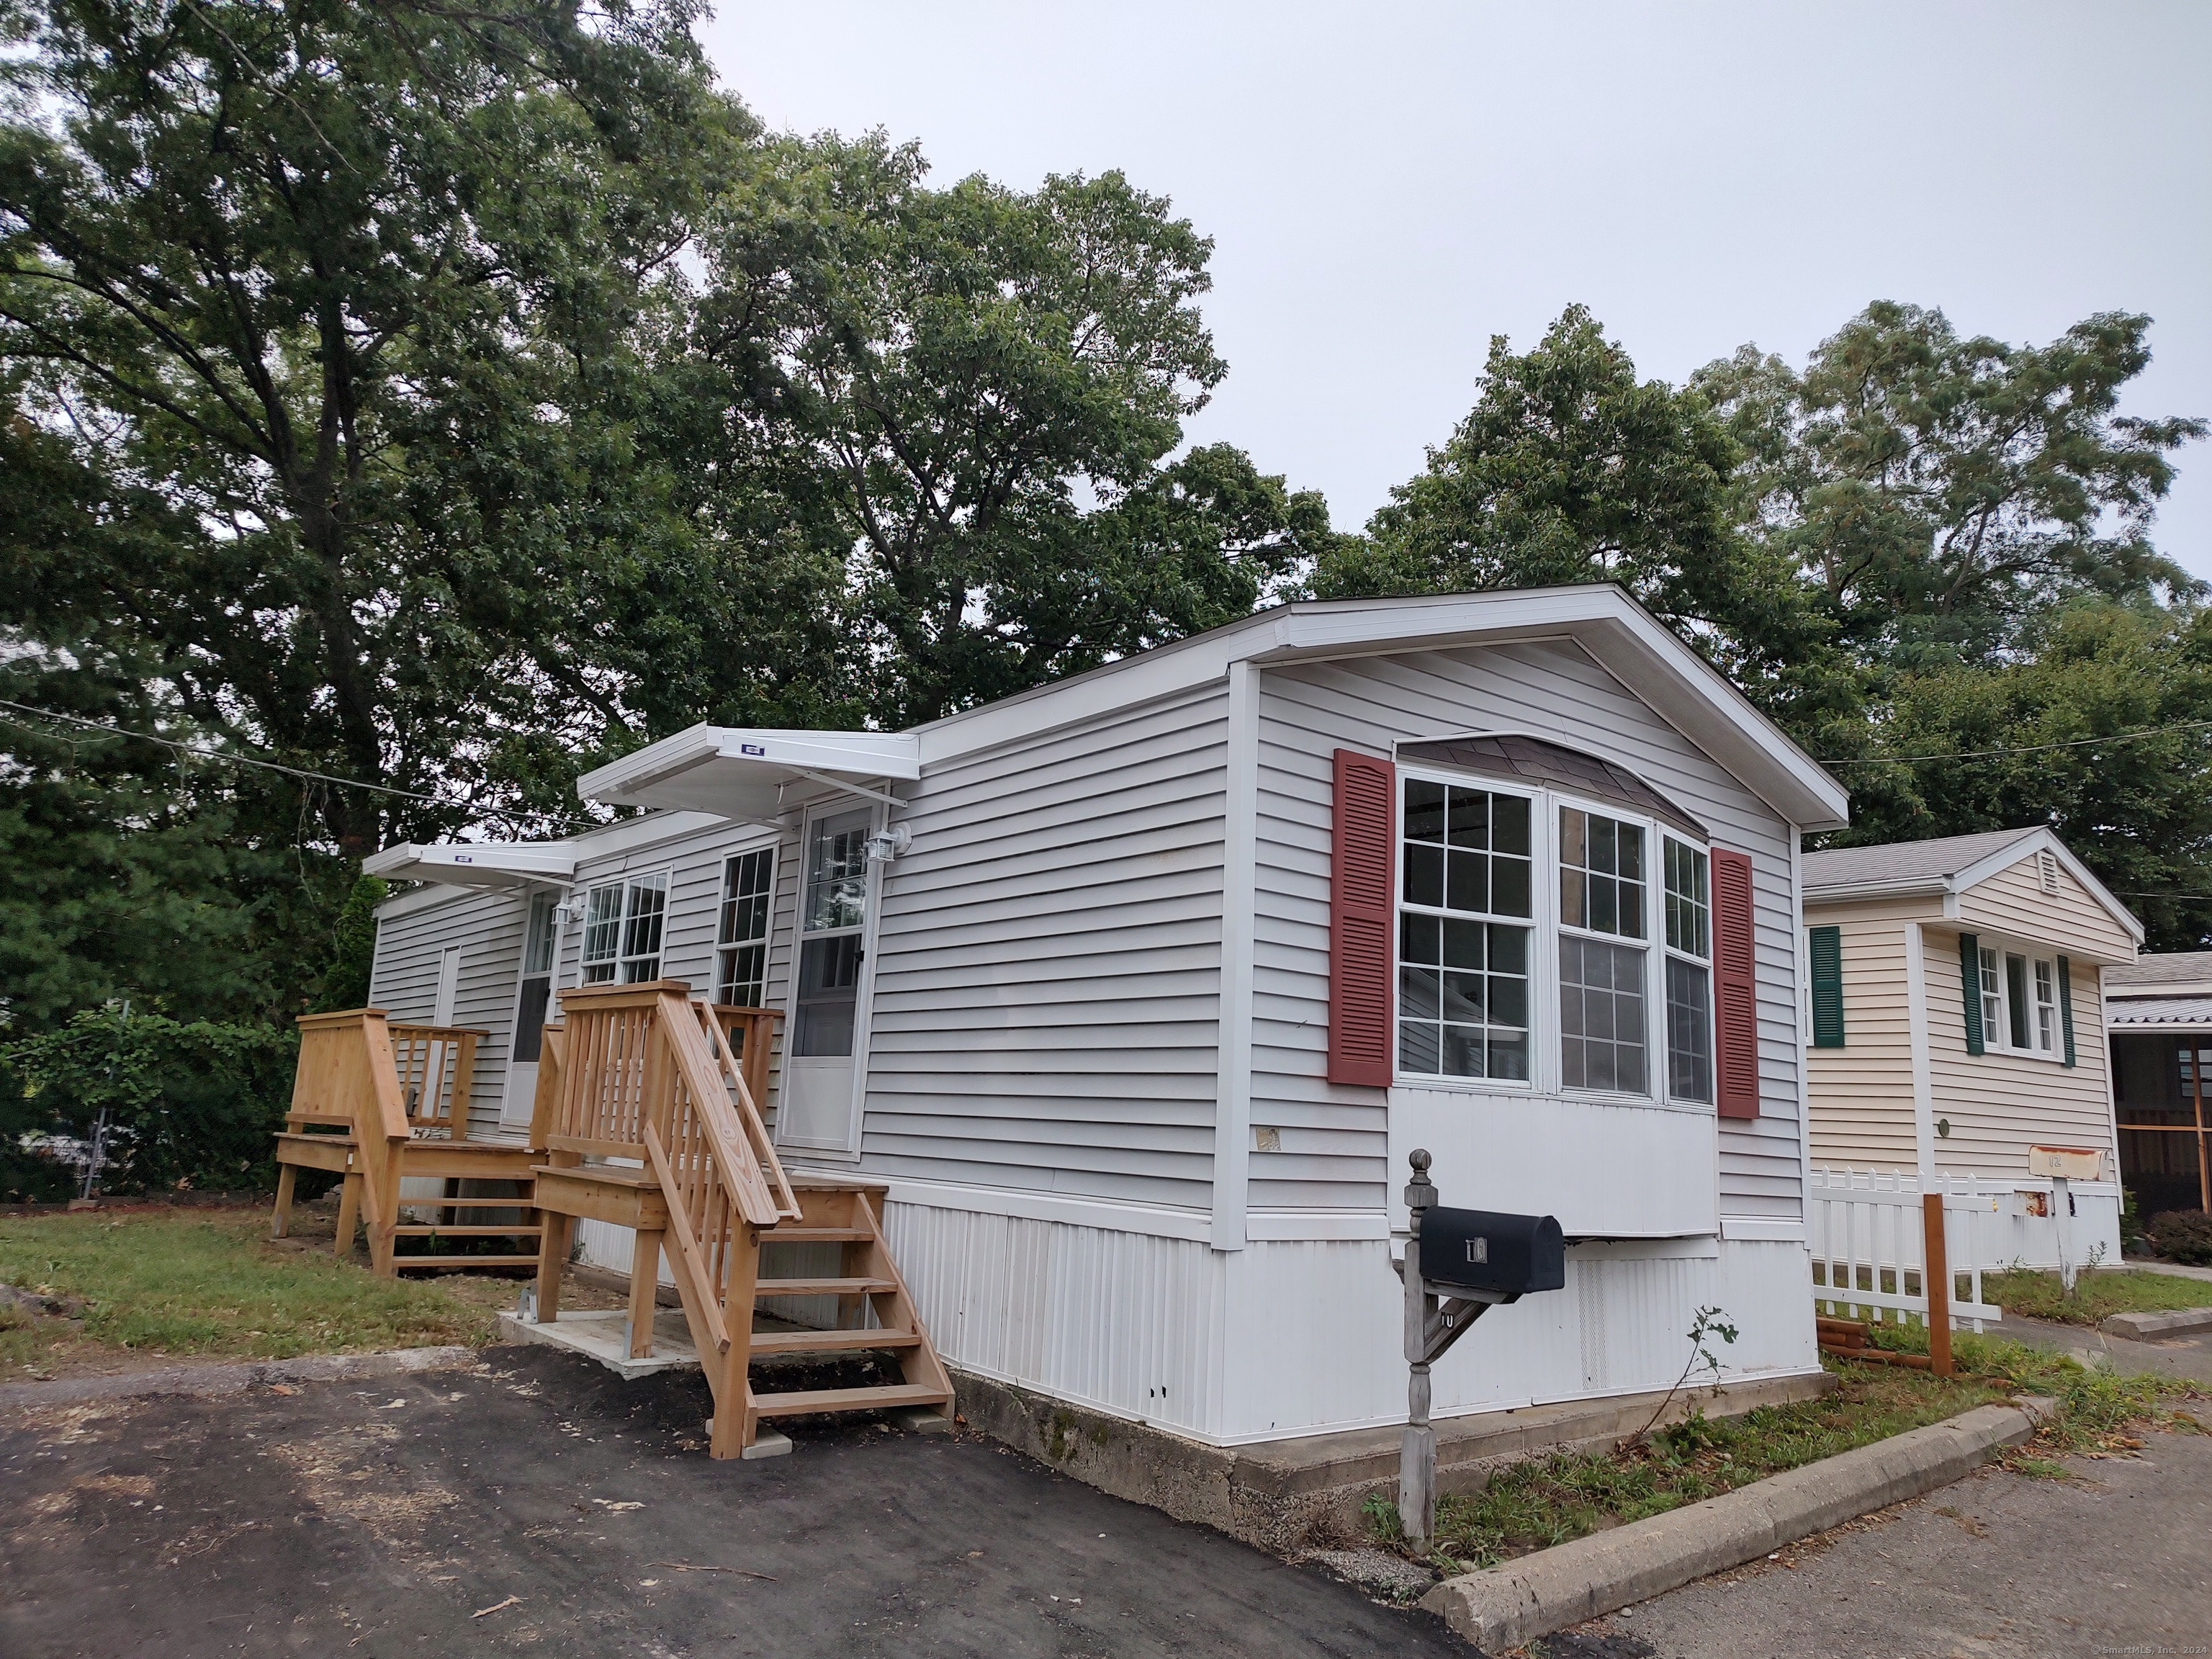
532	1001
819	1111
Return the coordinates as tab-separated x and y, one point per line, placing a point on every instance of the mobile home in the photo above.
1136	990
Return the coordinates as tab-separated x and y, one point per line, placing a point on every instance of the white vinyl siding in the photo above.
1333	1139
413	933
1047	963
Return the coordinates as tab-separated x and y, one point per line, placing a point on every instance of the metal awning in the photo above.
2151	1013
741	773
488	864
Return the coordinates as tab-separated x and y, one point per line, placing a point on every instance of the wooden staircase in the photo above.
378	1104
647	1114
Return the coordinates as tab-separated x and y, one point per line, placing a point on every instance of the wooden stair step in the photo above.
806	1401
469	1232
815	1234
831	1341
822	1287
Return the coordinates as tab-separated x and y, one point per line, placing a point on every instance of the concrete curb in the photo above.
1503	1608
2146	1326
209	1382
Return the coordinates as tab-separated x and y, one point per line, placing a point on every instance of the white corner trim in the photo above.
1153	1220
1772	1228
1923	1076
1232	1112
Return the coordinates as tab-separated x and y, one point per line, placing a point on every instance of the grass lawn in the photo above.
1550	1500
2038	1296
211	1282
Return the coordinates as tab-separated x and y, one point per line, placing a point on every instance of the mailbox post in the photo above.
1459	1264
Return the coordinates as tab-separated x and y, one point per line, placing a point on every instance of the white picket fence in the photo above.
1869	1245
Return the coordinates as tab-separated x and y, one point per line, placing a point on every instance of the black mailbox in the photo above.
1484	1251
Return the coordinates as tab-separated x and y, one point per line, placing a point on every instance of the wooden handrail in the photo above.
751	1126
436	1065
545	1104
752	1031
347	1073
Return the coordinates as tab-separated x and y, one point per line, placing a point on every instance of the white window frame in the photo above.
1538	844
619	962
1546	1060
725	949
1994	958
1668	834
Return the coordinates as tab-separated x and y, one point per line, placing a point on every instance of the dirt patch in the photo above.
351	1475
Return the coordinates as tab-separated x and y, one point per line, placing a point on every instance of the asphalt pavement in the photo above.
2115	1559
536	1502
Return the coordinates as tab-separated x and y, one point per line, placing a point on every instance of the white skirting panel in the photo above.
1304	1336
1126	1322
1316	1332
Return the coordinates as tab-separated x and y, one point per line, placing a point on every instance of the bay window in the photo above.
1499	891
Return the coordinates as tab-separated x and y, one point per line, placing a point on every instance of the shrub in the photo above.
190	1104
2183	1235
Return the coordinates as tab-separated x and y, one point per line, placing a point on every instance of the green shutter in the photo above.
1970	981
1827	987
2066	1004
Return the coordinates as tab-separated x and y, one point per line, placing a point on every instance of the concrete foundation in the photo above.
1289	1495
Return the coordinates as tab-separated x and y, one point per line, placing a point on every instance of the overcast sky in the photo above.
1386	187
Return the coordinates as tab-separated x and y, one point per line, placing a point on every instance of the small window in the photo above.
1992	998
622	930
741	937
2047	1006
537	989
1689	974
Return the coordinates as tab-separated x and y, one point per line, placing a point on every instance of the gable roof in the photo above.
1945	864
2146	975
1645	656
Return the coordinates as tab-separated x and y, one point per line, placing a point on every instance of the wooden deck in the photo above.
646	1116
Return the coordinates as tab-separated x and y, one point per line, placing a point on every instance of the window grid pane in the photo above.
1689	907
741	962
1992	1001
1601	1016
2047	1006
1601	874
1689	1031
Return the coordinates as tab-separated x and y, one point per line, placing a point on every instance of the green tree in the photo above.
2138	810
1941	493
1569	469
321	322
993	381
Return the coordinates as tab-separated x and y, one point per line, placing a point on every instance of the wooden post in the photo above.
282	1223
2197	1053
349	1212
556	1231
736	1422
644	1280
1935	1283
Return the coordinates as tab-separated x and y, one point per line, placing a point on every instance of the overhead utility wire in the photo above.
106	730
2023	749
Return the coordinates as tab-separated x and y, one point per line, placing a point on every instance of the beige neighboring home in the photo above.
1957	1020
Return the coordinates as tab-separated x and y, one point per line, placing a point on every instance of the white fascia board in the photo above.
1623	639
2042	839
1849	892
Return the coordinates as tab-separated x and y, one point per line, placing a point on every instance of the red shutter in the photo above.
1736	988
1361	954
